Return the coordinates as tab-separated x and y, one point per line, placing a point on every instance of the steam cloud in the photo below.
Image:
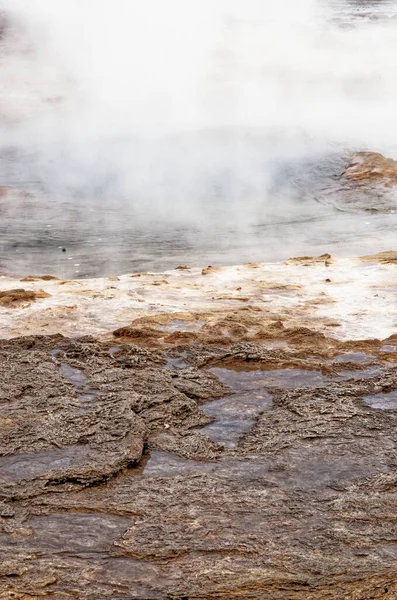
165	101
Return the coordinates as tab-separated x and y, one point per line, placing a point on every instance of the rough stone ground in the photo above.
112	488
345	298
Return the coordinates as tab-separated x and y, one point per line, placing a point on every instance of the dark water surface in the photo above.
245	196
304	215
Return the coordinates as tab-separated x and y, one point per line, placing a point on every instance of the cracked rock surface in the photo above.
198	472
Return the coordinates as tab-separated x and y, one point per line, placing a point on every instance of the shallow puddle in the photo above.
305	470
276	345
373	371
28	466
351	357
79	381
388	349
75	376
234	416
113	350
177	362
178	325
242	381
288	379
383	401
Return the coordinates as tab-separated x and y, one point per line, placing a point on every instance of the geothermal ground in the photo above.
217	433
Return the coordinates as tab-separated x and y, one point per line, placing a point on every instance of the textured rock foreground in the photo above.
204	445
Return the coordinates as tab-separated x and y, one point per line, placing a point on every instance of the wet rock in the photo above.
137	333
199	385
306	261
372	166
187	444
304	503
49	439
387	258
30	278
210	270
17	297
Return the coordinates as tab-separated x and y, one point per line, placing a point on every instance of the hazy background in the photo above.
186	112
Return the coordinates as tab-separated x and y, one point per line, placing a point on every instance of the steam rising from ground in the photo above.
171	101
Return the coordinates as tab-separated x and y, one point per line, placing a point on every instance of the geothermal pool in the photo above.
261	184
309	210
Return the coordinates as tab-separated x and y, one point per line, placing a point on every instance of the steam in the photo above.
166	102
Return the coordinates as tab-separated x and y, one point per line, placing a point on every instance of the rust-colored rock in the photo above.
387	258
17	297
137	333
210	270
307	261
31	278
372	166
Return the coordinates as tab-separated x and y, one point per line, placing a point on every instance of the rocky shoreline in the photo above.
216	433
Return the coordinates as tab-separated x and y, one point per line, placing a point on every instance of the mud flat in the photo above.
216	433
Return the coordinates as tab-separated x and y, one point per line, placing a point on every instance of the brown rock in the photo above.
388	258
302	506
140	333
307	261
372	166
16	297
40	278
210	270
